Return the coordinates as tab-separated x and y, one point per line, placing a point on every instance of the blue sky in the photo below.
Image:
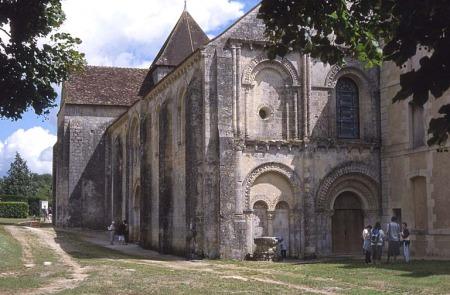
113	34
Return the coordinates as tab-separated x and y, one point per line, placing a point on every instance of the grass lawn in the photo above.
112	272
18	275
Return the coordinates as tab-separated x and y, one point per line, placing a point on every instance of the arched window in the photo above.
347	109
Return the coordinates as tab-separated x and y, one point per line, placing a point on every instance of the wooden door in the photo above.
347	225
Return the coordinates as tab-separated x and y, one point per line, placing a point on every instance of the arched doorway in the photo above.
347	223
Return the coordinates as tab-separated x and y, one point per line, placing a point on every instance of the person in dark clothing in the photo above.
120	232
406	242
126	231
377	242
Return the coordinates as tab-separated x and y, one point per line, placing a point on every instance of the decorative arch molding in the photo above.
351	176
272	167
133	123
337	71
260	62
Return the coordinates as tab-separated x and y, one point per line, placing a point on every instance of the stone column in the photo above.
288	119
296	111
234	81
270	216
293	241
249	237
238	91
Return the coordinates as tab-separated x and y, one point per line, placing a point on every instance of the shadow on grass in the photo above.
78	245
414	269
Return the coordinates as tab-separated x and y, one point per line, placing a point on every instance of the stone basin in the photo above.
266	248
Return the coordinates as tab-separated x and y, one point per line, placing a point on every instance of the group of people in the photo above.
118	231
374	239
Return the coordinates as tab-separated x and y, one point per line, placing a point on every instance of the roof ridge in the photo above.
115	67
184	38
190	33
234	23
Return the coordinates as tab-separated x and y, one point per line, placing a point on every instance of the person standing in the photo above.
112	232
367	247
377	241
126	231
283	248
393	234
120	232
45	214
406	242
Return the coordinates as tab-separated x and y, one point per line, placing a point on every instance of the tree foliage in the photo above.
371	31
42	186
20	182
33	55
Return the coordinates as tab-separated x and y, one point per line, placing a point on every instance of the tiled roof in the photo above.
185	38
104	86
124	86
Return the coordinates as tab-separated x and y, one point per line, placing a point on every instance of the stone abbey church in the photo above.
216	144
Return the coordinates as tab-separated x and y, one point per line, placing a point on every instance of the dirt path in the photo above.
27	256
47	238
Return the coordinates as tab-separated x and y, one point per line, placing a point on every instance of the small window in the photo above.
347	109
264	113
417	126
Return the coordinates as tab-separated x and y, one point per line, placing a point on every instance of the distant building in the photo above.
216	144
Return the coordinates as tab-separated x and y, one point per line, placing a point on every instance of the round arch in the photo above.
279	64
356	177
350	71
279	169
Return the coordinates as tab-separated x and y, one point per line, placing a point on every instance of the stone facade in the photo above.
414	176
226	147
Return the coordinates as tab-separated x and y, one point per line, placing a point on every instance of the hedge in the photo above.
12	198
13	209
34	208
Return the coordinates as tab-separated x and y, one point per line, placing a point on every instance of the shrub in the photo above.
34	208
13	209
12	198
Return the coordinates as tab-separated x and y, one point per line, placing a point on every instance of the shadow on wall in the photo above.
87	201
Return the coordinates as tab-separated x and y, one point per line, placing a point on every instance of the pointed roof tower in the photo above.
185	38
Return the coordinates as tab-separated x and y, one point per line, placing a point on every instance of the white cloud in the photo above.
34	145
130	33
